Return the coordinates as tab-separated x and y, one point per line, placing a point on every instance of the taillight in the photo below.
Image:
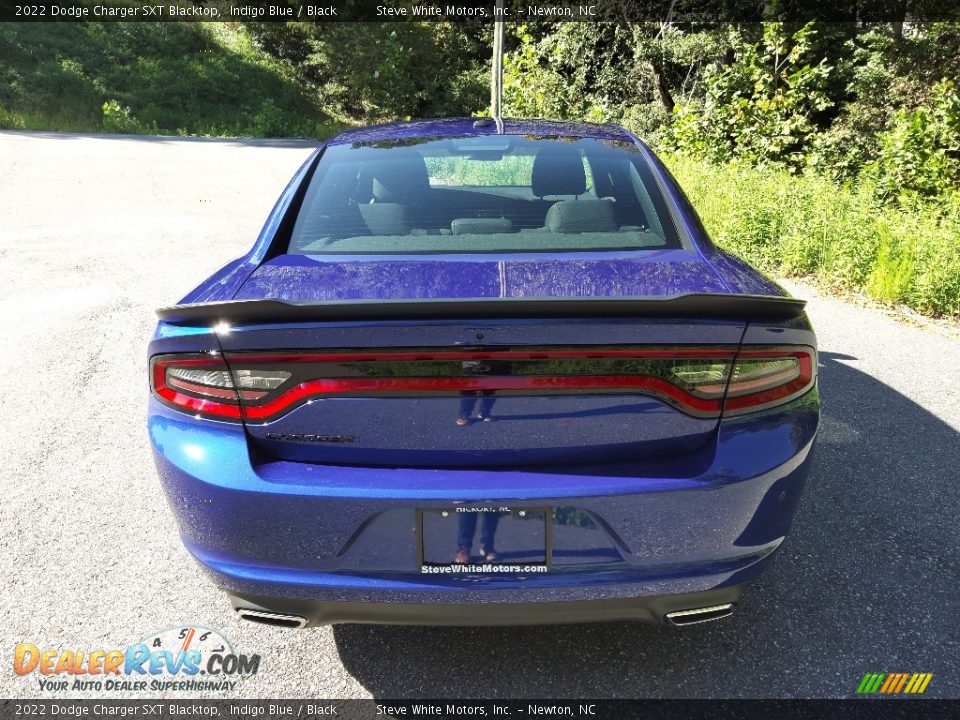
203	384
691	379
764	378
261	387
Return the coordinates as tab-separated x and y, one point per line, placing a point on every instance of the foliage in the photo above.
626	73
117	118
920	153
554	74
793	224
886	73
851	102
368	72
507	170
167	78
764	108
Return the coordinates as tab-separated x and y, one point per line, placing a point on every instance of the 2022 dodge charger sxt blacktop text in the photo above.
483	372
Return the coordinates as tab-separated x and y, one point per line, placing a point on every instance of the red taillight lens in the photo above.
691	379
204	385
199	384
764	378
261	387
688	401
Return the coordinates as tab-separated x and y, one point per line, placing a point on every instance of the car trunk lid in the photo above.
476	394
480	363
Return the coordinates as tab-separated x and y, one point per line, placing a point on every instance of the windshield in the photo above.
493	193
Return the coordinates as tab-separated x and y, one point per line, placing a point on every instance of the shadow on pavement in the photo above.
867	581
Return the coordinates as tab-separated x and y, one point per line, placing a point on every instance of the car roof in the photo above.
458	127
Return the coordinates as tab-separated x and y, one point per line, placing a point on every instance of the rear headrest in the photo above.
576	216
384	218
481	226
396	178
558	171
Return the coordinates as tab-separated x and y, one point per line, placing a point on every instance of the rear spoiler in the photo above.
695	305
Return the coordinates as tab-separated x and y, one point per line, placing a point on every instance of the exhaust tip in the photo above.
700	615
271	618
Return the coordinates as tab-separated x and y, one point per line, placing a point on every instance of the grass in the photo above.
843	237
205	79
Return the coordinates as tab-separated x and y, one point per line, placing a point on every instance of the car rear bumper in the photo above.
680	609
338	544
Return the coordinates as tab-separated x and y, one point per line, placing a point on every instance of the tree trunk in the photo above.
663	89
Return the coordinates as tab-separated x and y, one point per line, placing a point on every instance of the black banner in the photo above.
479	10
853	709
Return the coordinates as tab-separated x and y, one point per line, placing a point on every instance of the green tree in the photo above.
920	153
765	106
370	72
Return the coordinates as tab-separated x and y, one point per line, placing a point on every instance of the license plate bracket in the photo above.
522	538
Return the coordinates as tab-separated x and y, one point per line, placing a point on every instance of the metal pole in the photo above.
496	79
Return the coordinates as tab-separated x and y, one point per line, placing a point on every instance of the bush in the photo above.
765	107
920	154
549	76
372	72
118	119
10	120
164	78
805	225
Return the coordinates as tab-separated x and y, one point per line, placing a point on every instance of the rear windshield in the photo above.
495	193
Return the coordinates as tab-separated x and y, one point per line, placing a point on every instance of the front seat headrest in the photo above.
558	171
397	177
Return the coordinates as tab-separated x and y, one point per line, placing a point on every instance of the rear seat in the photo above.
560	174
391	200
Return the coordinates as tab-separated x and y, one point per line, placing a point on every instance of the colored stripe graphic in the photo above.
894	683
871	683
890	681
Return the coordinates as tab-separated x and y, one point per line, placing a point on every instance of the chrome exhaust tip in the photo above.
271	618
700	615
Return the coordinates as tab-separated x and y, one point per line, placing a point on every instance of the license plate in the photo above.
484	539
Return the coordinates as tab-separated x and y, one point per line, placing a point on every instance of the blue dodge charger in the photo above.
483	372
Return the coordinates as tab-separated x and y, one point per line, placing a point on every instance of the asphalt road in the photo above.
96	232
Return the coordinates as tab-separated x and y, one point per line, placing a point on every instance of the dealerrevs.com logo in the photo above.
181	659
